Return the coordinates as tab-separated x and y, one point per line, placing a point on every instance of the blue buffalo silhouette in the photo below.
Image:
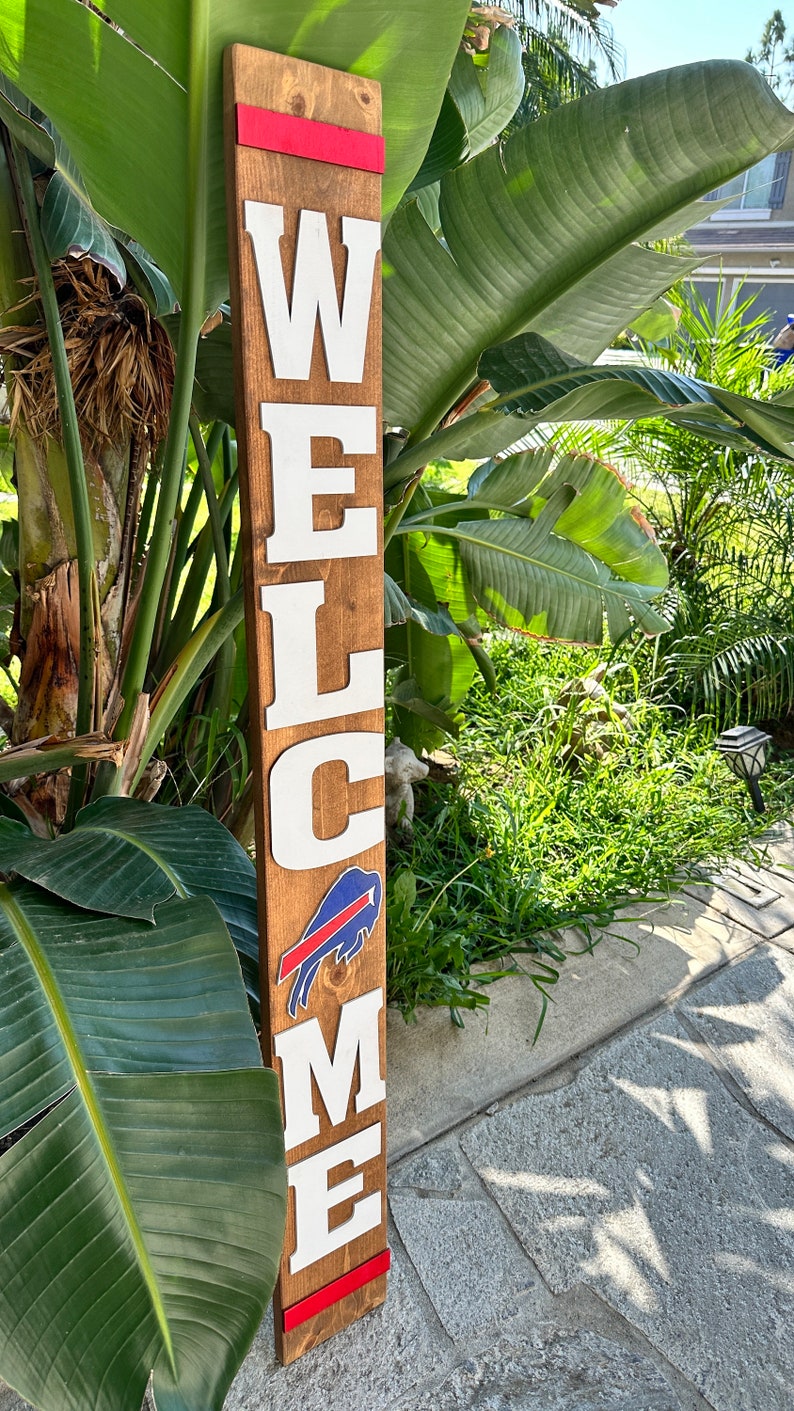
342	922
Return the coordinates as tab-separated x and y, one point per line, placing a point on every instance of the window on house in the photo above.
762	188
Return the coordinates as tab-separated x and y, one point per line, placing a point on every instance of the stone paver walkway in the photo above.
603	1221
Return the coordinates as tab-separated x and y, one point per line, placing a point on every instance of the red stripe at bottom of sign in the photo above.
305	137
339	1289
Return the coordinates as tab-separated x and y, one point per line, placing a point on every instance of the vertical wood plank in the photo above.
349	620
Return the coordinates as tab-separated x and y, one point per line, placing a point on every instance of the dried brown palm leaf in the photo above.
121	362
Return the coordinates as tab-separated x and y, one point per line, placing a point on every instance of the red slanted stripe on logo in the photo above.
332	1293
292	960
303	137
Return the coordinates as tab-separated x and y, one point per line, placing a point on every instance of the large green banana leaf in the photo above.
598	519
69	223
482	95
481	434
140	106
449	145
436	671
534	377
400	607
487	94
610	298
125	857
534	581
141	1218
564	553
605	302
561	389
525	223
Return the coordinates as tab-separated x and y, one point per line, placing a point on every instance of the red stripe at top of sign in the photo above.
303	137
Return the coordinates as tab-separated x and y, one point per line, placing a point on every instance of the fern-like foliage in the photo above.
725	520
563	42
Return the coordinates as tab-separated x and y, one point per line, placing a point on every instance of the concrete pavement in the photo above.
603	1221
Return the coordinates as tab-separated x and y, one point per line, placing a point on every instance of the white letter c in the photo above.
293	842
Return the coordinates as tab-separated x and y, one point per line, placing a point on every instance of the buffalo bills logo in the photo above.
342	922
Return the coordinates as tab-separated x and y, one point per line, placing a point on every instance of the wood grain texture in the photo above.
351	618
332	1320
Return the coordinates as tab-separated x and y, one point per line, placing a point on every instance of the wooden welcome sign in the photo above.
304	158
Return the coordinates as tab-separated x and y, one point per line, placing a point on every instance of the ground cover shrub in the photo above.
522	846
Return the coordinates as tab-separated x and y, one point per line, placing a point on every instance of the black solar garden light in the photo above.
744	751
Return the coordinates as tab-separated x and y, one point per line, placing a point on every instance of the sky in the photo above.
657	34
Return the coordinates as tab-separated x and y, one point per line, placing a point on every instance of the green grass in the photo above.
523	846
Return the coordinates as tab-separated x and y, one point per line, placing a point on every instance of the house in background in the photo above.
750	239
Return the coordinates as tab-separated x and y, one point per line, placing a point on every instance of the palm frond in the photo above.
579	25
725	520
752	679
553	76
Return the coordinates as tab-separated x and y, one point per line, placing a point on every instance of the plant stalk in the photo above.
182	622
88	592
224	663
213	510
192	660
195	241
41	757
395	517
156	567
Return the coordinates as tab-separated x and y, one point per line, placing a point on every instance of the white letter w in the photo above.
291	332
